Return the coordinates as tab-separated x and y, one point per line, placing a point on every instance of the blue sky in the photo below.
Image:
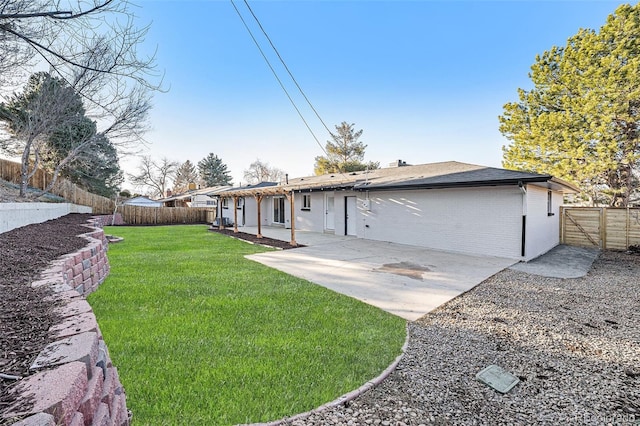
425	80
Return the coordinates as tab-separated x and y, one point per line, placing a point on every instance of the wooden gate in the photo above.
602	227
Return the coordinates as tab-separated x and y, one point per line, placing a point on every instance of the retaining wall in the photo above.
78	384
15	215
108	219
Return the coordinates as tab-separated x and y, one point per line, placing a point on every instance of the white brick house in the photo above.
446	206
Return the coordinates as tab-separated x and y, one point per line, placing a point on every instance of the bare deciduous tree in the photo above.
48	105
262	172
65	34
91	48
155	175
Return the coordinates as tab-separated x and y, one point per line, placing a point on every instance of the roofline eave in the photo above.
446	185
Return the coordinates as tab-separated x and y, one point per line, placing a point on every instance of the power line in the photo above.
278	78
285	66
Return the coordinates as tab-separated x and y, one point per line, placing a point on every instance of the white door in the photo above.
329	215
350	215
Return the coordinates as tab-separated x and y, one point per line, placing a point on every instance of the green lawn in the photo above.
203	336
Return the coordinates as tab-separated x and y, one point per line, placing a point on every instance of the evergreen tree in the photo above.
95	168
581	120
345	153
185	174
213	171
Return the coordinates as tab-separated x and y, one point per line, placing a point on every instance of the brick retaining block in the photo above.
108	219
78	384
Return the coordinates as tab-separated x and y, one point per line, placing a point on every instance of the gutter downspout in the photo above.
524	219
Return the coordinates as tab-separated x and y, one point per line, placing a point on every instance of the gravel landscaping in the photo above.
573	343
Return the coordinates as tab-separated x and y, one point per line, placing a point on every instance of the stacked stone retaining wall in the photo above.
76	383
108	219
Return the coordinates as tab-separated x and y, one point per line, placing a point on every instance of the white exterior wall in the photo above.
312	219
247	212
340	217
485	221
543	231
201	200
16	215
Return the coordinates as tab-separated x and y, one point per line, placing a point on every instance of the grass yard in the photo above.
203	336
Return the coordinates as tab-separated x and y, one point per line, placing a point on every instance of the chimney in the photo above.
169	193
398	163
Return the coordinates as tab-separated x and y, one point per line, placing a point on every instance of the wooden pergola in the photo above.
338	181
258	194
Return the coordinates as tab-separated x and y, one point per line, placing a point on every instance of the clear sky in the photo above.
425	80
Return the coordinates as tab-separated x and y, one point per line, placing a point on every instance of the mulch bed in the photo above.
265	241
25	314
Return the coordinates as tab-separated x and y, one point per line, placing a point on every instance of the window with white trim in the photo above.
550	203
306	202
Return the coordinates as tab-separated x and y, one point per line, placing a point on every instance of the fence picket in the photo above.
606	227
133	215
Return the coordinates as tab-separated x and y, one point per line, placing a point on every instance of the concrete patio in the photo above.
404	280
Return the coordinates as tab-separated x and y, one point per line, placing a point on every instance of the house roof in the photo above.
141	200
449	174
453	174
203	191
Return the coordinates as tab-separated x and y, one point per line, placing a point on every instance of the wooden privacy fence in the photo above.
10	171
603	227
138	215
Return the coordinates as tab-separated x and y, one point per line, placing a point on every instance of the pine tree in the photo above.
581	121
185	175
345	153
213	171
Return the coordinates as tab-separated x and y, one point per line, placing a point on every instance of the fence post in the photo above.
561	228
627	230
603	227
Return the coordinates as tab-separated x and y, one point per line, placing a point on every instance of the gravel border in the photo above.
573	343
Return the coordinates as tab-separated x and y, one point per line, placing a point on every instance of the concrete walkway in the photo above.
404	280
561	262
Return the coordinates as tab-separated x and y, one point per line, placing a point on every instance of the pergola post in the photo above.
220	226
291	199
217	216
259	201
235	214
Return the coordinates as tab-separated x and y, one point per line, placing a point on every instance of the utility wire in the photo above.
278	78
286	67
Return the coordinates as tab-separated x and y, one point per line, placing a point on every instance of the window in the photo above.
550	203
306	202
211	202
278	210
225	203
